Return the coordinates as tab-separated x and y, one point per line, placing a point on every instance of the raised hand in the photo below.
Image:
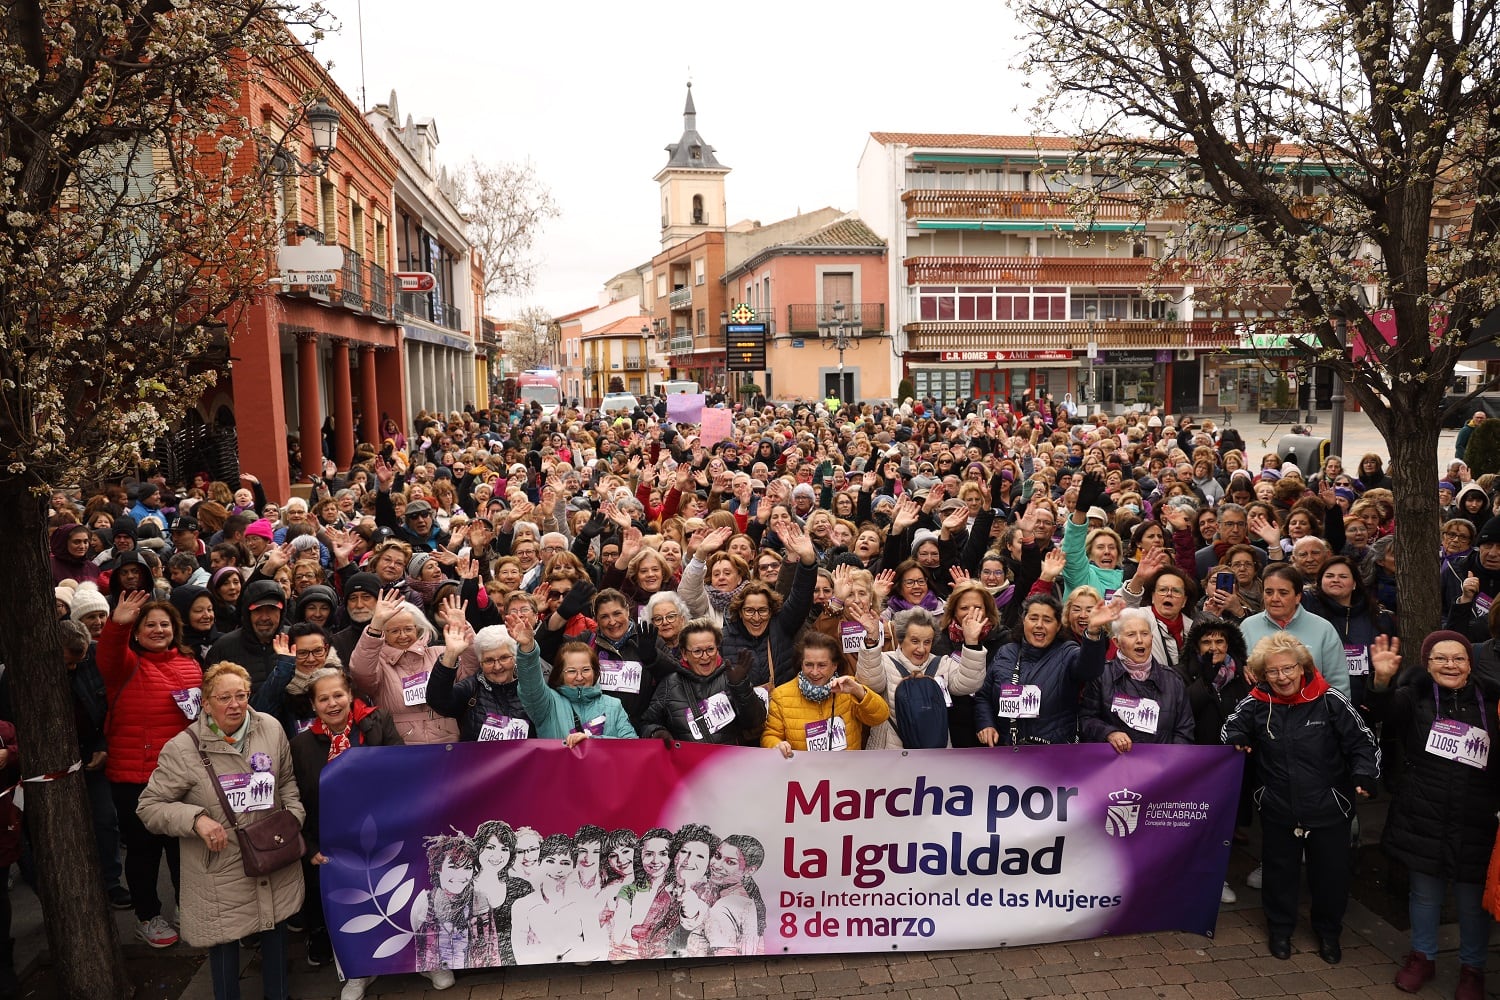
1106	614
869	481
630	543
884	581
282	644
1053	564
798	543
956	520
957	574
128	607
455	637
468	568
387	604
1265	529
906	514
385	475
974	625
1385	658
712	542
341	544
522	630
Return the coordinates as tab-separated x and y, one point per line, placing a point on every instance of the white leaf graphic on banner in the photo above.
387	853
367	834
363	922
350	896
391	879
391	945
401	895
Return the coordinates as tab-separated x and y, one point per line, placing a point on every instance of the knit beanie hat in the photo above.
1444	635
87	600
261	528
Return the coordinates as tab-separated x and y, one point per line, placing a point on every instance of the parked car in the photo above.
619	402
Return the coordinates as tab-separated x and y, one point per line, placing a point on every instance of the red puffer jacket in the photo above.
143	714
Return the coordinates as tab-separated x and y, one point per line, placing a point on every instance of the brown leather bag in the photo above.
267	845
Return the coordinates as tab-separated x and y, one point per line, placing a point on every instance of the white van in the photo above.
679	385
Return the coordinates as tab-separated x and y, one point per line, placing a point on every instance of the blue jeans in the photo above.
224	965
1426	907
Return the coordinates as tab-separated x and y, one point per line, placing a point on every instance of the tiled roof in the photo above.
975	141
843	233
629	326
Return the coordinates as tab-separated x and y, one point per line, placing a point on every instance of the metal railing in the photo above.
924	204
351	282
380	302
449	316
681	298
635	364
811	317
1113	271
1121	334
682	344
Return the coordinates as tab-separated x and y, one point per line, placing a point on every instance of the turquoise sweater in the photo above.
1079	572
553	710
1320	638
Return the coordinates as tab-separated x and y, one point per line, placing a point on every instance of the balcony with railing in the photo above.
1136	272
860	318
380	294
1074	335
634	364
681	298
448	315
682	344
1027	205
351	281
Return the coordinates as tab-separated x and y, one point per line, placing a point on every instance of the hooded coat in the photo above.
1310	752
199	642
242	646
1058	669
380	672
1098	717
474	699
64	565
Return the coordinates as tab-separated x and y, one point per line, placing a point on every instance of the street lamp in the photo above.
840	341
1091	314
323	121
646	347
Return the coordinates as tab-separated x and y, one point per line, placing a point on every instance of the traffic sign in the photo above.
416	281
309	277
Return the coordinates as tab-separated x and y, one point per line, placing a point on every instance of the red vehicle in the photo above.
542	386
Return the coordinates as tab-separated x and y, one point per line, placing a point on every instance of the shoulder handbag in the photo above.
267	845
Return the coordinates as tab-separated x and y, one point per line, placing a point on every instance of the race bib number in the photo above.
853	634
303	725
1019	701
1140	714
1357	656
765	696
620	675
827	735
716	711
414	690
190	701
595	726
503	727
1482	603
1454	740
249	792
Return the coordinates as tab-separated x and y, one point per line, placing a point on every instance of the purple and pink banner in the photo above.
476	855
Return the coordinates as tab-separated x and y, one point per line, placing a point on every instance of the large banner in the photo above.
519	852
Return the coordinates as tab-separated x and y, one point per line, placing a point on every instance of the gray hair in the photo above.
75	635
419	620
1131	614
323	673
1308	541
492	638
904	620
667	597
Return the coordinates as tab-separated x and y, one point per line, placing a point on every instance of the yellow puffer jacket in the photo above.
790	712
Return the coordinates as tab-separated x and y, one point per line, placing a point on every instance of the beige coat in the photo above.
220	903
962	671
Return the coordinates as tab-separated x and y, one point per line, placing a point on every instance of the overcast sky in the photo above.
590	93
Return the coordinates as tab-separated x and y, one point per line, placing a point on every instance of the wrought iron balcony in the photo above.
860	318
926	204
1081	271
351	281
635	364
682	344
1070	335
380	300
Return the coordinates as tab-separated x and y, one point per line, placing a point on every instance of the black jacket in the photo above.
89	704
1442	819
1309	755
772	652
241	646
677	707
1211	705
1097	719
473	699
310	754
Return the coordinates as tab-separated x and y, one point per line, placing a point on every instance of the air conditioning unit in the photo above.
1184	354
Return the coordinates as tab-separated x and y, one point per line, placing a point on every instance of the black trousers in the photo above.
143	853
1329	863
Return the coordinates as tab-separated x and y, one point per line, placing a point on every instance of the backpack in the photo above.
919	711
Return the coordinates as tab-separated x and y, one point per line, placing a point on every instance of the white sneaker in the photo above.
354	989
157	932
1253	880
1226	895
440	979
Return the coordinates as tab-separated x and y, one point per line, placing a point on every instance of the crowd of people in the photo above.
916	576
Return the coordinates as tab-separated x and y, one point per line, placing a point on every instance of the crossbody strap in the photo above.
213	779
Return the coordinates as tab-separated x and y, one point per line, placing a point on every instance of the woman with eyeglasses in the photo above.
568	705
250	768
1167	592
1441	824
1312	753
758	620
705	699
487	703
393	662
631	661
